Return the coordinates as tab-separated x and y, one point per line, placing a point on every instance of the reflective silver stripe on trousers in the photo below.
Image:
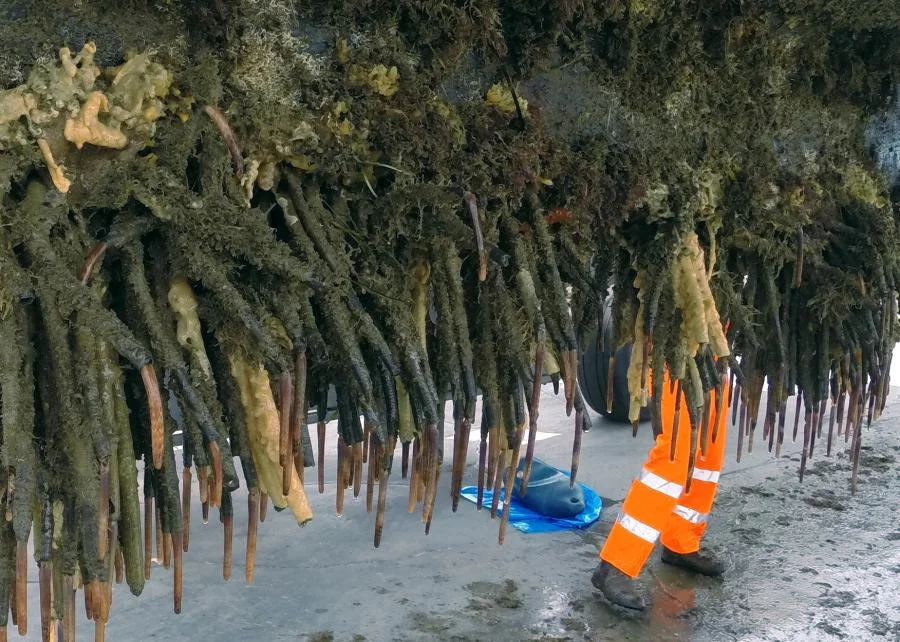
646	533
656	482
694	517
706	475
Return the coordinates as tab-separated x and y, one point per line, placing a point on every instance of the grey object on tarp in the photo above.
548	491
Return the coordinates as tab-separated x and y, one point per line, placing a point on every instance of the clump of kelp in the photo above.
207	243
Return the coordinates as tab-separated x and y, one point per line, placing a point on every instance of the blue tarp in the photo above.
526	520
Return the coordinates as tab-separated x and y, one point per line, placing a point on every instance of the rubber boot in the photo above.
617	588
701	562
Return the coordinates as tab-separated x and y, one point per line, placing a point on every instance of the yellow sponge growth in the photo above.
87	128
501	97
263	427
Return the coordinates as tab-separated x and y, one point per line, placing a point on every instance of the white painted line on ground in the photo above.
541	436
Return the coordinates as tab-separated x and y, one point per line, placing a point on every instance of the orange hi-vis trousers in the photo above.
657	506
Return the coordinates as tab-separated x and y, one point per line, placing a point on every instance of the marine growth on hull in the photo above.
406	203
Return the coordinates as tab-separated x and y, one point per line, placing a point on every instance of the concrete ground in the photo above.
805	562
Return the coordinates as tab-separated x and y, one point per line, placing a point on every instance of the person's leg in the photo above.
653	496
688	521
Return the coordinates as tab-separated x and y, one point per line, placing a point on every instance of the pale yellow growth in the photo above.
62	96
184	305
336	123
864	187
263	429
80	70
638	394
501	97
418	279
384	81
14	104
248	181
57	172
551	364
714	330
701	324
268	175
418	288
58	517
87	128
137	92
342	51
690	301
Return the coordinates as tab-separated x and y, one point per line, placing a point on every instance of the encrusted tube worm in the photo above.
676	419
458	464
404	455
694	397
736	401
431	470
226	516
741	426
378	457
357	453
658	375
721	408
510	475
833	388
526	288
321	411
854	453
371	446
498	483
158	531
533	408
770	422
482	454
414	477
753	410
472	206
782	416
186	507
610	381
798	262
178	574
17	387
843	376
459	326
557	312
218	119
126	229
576	446
252	529
285	445
44	554
343	465
386	459
807	436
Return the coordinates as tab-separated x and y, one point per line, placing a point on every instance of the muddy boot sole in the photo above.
695	568
623	611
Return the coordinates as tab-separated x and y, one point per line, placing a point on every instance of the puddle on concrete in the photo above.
486	595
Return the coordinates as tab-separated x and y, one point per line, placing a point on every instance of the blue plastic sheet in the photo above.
527	521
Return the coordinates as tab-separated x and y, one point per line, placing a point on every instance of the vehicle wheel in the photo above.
593	371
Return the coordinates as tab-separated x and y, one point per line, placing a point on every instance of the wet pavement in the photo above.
805	562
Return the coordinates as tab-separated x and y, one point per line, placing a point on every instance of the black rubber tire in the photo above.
593	370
